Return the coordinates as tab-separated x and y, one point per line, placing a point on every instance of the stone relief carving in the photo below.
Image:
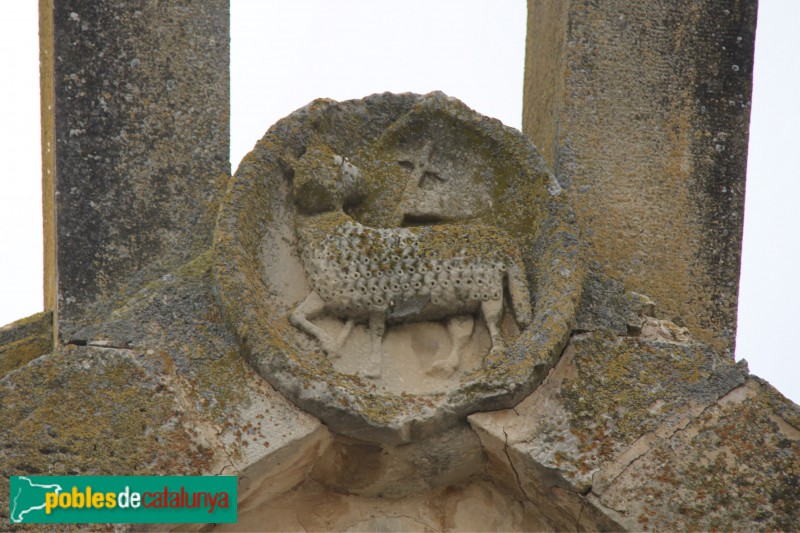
392	275
432	274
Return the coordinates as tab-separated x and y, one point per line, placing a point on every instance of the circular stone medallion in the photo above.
396	263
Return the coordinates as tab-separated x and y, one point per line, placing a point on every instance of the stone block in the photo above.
156	388
654	433
135	112
642	110
475	506
736	466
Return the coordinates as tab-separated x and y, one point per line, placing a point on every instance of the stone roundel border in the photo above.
530	206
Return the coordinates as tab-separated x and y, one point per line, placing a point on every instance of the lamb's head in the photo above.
324	181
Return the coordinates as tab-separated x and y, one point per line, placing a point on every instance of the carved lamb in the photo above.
377	275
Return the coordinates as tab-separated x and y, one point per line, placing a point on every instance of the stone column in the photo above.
642	110
135	113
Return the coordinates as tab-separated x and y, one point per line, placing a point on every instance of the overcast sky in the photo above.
286	53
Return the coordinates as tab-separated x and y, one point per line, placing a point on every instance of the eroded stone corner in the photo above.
25	340
159	388
652	431
735	466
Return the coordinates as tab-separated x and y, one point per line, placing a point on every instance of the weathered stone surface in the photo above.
636	426
642	111
606	305
735	467
24	340
474	506
658	432
95	411
560	505
135	107
354	467
424	161
281	471
605	394
177	316
159	388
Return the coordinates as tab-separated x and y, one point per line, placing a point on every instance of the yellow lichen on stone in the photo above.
24	340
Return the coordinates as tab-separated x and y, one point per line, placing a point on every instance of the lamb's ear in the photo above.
311	196
352	186
315	176
353	189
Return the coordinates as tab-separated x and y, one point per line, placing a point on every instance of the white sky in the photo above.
286	53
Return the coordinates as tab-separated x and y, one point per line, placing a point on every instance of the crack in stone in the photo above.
230	464
513	468
307	477
578	520
105	344
788	423
654	437
176	383
297	517
417	520
100	343
682	428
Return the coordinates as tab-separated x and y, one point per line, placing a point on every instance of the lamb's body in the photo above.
407	274
421	273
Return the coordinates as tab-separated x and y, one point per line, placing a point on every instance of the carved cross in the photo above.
422	168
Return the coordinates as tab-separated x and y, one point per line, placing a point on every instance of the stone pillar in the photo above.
642	109
135	114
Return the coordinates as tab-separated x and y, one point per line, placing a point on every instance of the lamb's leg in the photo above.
460	330
344	333
492	311
311	307
377	327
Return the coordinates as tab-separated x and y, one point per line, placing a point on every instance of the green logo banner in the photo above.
122	499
